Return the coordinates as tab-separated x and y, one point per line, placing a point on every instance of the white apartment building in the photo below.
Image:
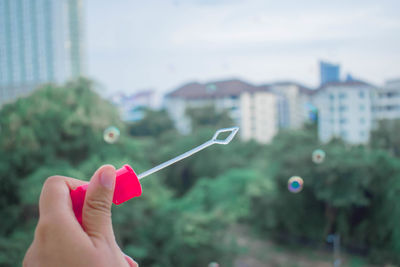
259	116
296	100
387	101
253	109
345	111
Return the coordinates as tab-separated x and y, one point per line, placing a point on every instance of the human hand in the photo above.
61	241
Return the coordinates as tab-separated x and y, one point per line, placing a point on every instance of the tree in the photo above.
154	124
385	136
208	116
55	123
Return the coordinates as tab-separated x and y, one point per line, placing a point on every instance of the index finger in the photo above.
55	198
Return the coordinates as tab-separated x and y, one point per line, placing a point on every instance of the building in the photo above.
132	107
329	72
41	41
345	111
253	109
387	101
259	116
295	103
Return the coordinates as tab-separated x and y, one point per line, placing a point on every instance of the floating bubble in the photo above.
213	264
312	112
111	134
295	184
318	156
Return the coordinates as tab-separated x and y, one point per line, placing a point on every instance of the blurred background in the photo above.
313	178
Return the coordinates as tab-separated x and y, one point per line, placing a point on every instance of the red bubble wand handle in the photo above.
127	183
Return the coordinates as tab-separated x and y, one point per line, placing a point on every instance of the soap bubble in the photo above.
318	156
312	112
295	184
213	264
111	134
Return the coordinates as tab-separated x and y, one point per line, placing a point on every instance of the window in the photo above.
343	134
332	96
342	95
332	109
342	108
362	120
362	107
342	121
362	133
361	94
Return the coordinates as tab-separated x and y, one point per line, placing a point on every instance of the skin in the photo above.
59	238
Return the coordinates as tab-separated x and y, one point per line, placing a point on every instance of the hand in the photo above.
59	238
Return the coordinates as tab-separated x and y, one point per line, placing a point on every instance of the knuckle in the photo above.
52	180
99	206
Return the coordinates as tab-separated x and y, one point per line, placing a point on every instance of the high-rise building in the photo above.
345	111
41	41
329	72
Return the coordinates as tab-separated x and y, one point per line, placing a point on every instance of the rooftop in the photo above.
302	88
347	84
393	82
216	89
226	88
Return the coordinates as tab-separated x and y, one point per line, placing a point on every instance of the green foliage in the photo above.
30	188
14	246
153	124
209	163
55	123
208	116
385	136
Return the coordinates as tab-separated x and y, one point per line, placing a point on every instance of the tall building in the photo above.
294	103
345	111
329	72
259	117
387	101
253	109
40	41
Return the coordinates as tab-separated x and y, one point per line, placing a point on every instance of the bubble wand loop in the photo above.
213	141
127	184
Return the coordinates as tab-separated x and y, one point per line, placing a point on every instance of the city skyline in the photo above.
134	45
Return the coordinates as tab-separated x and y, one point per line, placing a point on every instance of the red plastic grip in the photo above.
127	186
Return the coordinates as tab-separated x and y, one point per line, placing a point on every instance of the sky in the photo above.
133	45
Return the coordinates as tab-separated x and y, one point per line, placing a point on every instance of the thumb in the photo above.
96	214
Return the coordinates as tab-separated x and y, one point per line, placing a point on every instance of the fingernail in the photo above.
107	178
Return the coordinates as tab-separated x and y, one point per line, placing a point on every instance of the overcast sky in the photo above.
161	44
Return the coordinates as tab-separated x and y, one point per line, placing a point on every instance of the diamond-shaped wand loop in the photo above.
212	141
229	138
